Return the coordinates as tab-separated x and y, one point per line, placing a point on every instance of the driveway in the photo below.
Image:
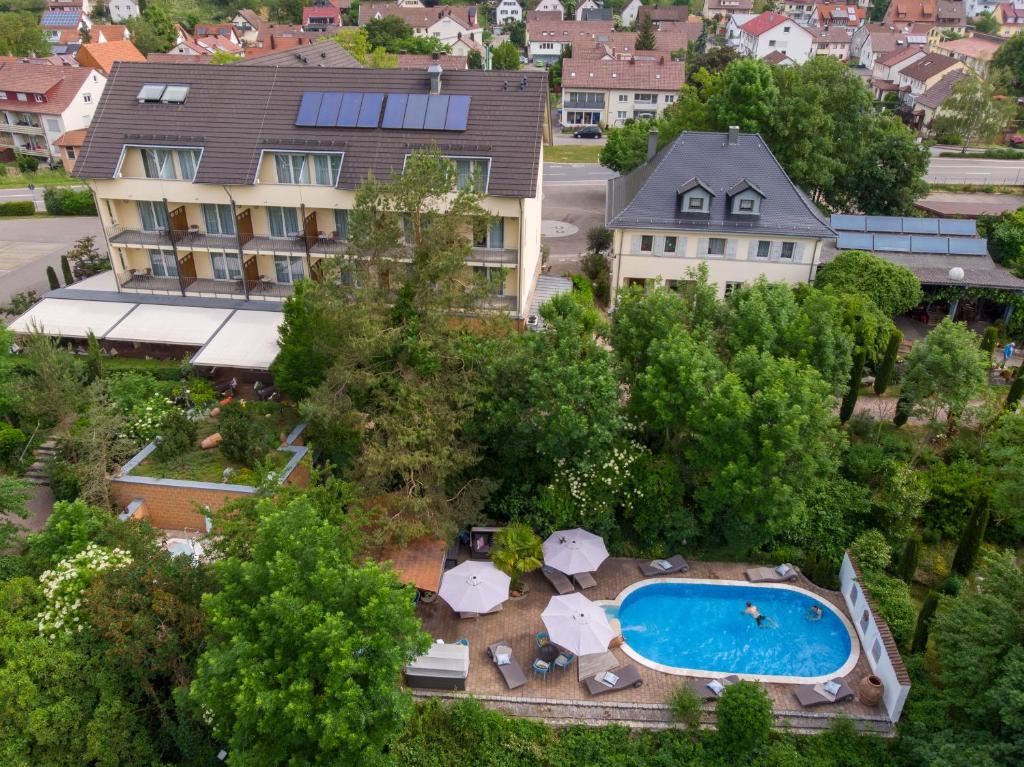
573	203
29	245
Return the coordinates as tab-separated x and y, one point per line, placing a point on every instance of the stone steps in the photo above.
649	716
37	473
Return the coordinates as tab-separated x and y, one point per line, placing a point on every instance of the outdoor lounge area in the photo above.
563	695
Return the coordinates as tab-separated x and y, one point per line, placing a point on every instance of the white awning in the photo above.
71	318
248	340
161	324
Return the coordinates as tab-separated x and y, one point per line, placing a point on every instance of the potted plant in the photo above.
517	551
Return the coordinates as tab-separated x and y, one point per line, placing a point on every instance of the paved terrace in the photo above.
562	699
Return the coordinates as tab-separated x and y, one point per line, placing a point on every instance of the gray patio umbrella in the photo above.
574	551
577	624
474	587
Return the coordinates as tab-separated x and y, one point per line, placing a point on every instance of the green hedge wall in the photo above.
69	202
18	208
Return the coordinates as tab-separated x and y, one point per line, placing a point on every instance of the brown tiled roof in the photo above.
72	138
616	75
831	34
264	101
731	6
543	16
110	32
420	563
623	45
981	47
419	18
424	60
891	648
326	53
900	54
942	90
255	20
103	55
555	30
929	66
213	30
834	12
177	58
665	12
776	57
60	84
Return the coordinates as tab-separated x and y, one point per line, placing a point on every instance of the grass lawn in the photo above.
208	465
572	153
41	178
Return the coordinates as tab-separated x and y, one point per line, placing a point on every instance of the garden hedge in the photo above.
18	208
69	202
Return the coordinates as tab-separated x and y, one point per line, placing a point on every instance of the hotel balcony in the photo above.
259	289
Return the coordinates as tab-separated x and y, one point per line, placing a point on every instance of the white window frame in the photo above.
768	250
310	166
675	243
229	268
455	158
725	246
792	251
140	147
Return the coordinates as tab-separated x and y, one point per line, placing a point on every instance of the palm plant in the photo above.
517	551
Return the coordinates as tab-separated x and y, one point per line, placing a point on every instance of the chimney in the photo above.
734	135
652	144
434	70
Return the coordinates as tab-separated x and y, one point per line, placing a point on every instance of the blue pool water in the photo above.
702	626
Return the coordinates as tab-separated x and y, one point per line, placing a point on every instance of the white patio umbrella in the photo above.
474	587
577	624
574	551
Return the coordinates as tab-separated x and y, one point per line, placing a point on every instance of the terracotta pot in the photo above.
871	690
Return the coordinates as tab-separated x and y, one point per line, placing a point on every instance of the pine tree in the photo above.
990	339
924	620
646	40
971	539
902	411
93	359
65	268
51	276
1016	390
850	400
908	561
884	373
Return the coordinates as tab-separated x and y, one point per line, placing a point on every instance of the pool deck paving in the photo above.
562	698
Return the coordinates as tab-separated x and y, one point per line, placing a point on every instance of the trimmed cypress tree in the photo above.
51	276
970	541
646	40
908	560
884	373
1016	390
990	339
902	411
850	400
93	359
65	269
924	622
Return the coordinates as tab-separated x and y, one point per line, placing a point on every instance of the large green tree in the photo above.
505	56
945	371
893	289
1008	62
306	649
21	35
973	112
153	31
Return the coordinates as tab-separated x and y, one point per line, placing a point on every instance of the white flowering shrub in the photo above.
145	418
64	584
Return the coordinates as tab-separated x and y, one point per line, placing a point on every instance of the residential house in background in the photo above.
975	8
63	26
548	36
975	51
550	6
123	10
320	18
611	92
778	59
585	5
281	37
838	15
720	199
1011	18
70	145
103	56
109	33
40	102
446	23
597	14
801	11
247	24
941	15
507	11
664	14
722	9
622	46
768	32
326	53
832	41
923	73
873	41
929	104
226	30
629	13
885	75
206	196
422	61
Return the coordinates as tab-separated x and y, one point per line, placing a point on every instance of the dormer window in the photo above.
695	203
745	199
694	196
746	206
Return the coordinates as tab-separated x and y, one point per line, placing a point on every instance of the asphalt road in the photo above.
973	170
556	173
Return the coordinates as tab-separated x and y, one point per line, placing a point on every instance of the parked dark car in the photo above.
590	131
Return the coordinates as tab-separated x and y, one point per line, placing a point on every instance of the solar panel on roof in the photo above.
437	112
308	108
929	244
848	223
458	113
415	111
967	227
348	116
151	92
920	225
854	241
394	110
968	246
369	110
328	114
60	18
895	242
884	224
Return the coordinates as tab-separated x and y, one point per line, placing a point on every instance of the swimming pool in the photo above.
699	627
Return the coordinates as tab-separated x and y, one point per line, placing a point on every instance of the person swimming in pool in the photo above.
814	613
754	613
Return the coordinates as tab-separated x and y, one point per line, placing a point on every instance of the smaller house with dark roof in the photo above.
929	104
719	199
924	73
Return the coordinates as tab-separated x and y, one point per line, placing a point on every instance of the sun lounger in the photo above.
468	615
558	579
584	580
628	676
771	575
701	690
810	697
512	672
677	565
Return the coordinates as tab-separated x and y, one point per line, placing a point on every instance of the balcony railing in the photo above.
139	281
494	256
571	103
25	127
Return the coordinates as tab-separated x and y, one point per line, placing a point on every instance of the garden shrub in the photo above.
924	620
70	528
953	490
63	201
63	478
18	208
892	598
178	434
909	559
871	551
686	707
12	442
26	163
201	393
744	719
970	541
243	436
